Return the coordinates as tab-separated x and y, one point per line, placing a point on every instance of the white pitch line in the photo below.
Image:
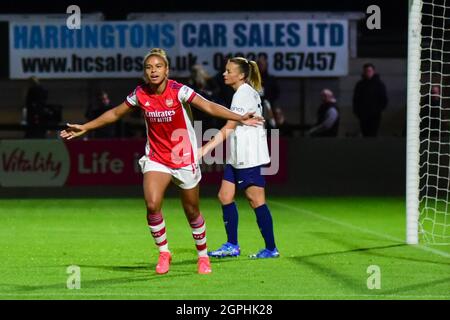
351	226
230	295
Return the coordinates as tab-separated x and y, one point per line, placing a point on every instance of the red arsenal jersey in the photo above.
170	134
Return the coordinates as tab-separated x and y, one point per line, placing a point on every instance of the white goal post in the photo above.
428	123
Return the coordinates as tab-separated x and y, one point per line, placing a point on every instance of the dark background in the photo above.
394	13
341	166
393	10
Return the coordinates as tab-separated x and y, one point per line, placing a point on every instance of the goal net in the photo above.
428	126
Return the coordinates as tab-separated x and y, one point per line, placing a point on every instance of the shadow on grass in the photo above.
87	284
322	254
150	267
145	272
354	248
358	285
420	286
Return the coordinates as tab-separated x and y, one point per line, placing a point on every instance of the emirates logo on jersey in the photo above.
160	116
169	103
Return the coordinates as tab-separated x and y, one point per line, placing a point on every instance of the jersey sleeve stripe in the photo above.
128	103
192	97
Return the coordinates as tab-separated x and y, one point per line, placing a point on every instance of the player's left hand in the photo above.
72	131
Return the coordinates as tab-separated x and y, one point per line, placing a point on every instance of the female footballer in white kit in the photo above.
248	152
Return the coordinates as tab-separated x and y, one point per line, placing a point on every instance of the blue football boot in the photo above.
226	250
265	253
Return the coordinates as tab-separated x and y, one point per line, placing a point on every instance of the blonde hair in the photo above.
158	52
250	70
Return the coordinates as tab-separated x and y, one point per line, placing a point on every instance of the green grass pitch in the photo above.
326	246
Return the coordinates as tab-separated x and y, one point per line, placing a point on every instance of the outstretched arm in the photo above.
108	117
220	111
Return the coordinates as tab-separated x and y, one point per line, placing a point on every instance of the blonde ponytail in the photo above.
254	77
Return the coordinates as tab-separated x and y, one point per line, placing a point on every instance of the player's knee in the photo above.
225	198
153	206
191	210
255	202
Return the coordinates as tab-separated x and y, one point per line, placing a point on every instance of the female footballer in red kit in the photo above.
170	152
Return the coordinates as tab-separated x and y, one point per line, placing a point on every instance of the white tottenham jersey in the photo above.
248	145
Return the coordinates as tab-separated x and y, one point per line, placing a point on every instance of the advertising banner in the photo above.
104	162
32	163
108	49
50	163
292	48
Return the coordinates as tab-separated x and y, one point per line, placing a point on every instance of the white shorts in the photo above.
185	178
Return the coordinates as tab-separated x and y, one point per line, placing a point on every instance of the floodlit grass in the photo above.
326	246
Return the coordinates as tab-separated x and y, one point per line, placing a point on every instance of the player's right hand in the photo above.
73	131
250	119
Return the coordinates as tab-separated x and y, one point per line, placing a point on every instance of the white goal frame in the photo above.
413	122
428	123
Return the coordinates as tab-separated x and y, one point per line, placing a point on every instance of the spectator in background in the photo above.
201	82
37	94
102	104
281	124
34	112
369	101
270	91
327	124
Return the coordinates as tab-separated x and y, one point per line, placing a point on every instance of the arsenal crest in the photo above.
169	103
